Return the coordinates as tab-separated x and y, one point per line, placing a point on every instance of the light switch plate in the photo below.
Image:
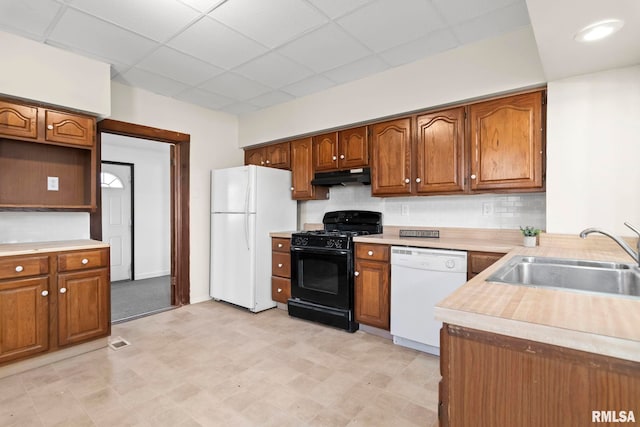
52	183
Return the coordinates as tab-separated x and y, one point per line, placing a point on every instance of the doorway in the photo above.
179	209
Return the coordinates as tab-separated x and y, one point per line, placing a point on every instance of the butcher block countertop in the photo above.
9	249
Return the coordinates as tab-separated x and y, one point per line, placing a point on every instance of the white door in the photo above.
116	218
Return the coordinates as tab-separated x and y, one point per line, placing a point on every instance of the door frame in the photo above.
180	243
132	229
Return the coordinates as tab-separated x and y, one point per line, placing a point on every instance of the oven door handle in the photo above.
320	250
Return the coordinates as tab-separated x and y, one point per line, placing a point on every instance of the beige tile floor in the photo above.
211	364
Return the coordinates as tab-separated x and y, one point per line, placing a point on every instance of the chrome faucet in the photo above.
633	254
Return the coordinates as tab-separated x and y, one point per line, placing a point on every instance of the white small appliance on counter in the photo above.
247	203
421	278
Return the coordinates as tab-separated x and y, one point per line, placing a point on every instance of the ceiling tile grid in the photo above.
243	55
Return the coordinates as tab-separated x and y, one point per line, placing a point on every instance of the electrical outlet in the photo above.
487	209
52	183
404	210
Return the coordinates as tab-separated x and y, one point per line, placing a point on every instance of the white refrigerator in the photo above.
247	203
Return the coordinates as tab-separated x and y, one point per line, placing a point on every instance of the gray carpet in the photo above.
131	299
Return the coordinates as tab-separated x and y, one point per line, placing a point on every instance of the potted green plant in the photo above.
530	236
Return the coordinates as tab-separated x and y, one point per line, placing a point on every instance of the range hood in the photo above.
353	176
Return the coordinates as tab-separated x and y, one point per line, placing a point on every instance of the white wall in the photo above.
593	152
506	211
20	227
213	145
151	200
495	65
35	71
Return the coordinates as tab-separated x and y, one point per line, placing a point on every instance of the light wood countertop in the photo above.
597	323
9	249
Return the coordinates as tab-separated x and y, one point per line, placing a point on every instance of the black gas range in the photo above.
322	265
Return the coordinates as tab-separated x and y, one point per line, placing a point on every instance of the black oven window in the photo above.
322	275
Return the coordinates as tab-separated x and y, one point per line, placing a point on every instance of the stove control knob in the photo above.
356	273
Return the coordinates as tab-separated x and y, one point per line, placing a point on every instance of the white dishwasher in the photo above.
420	278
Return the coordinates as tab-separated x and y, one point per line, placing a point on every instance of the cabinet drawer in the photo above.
280	289
280	244
373	252
83	260
281	264
12	267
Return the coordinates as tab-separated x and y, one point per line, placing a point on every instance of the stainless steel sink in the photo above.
571	274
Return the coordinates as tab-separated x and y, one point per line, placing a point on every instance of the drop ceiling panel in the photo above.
150	81
308	86
457	11
271	22
156	19
270	98
492	23
204	98
336	8
438	41
216	44
85	33
273	70
179	66
325	48
384	24
357	69
203	5
29	17
235	86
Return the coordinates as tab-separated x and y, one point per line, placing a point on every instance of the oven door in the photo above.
322	276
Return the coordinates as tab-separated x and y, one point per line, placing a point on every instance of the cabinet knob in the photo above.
44	293
279	290
407	180
63	290
356	273
279	245
85	261
50	127
279	265
473	176
19	268
291	188
418	180
341	156
335	157
267	162
370	253
262	162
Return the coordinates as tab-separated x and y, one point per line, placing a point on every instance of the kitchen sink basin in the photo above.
571	274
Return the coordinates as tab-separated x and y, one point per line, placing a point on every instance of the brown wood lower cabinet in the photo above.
494	380
53	300
479	261
372	285
280	270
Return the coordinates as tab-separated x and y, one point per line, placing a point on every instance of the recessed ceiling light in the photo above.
598	30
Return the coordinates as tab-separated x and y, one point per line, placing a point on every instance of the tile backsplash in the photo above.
21	227
506	211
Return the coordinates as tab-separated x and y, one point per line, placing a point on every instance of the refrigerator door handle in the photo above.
246	214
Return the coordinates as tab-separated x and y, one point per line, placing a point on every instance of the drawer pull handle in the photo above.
44	293
279	265
63	290
279	245
370	253
85	261
279	290
19	268
356	273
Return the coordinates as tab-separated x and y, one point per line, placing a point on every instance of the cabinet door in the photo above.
83	306
280	289
69	128
24	317
18	120
278	155
353	148
302	172
391	158
254	156
506	143
325	152
439	152
372	301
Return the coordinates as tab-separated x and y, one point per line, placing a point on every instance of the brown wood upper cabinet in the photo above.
272	155
346	149
18	120
506	143
391	158
69	128
302	172
439	153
